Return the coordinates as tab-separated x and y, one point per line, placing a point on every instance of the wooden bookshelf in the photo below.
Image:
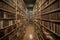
55	21
50	30
50	12
12	14
49	19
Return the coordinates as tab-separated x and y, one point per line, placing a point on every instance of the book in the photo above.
55	5
47	16
5	15
42	22
59	3
5	30
58	16
54	16
53	27
58	29
50	16
1	13
1	33
1	24
10	22
5	23
50	25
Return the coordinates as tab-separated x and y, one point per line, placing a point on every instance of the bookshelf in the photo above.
49	11
12	15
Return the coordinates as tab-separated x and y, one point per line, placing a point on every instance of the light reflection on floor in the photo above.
30	34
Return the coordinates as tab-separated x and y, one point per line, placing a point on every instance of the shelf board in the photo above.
55	21
50	12
6	27
7	19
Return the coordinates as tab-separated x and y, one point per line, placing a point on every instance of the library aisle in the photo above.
30	33
29	19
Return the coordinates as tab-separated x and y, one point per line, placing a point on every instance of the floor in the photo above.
30	33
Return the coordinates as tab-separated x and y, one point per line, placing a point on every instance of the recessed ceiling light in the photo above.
30	5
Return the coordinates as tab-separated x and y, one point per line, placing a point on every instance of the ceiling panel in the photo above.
29	1
29	4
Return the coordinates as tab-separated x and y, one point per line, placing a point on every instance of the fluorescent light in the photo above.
30	5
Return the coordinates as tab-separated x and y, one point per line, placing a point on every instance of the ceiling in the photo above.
29	3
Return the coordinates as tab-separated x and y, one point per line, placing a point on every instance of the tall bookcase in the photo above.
12	15
49	15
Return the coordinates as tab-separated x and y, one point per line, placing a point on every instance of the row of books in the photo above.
10	19
54	27
38	31
8	36
52	16
49	11
6	15
5	23
51	8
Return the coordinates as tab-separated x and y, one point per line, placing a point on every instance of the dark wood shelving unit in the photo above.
47	16
12	14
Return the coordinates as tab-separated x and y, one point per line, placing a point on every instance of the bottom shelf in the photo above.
50	31
6	36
